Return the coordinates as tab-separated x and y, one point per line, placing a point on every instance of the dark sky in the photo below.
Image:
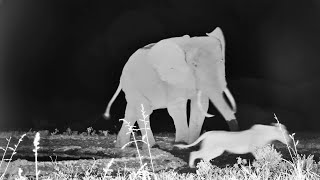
60	61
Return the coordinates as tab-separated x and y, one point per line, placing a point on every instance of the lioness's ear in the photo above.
283	127
275	124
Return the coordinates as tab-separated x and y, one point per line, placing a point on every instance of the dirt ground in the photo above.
82	151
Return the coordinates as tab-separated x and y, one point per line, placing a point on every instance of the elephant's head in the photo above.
196	63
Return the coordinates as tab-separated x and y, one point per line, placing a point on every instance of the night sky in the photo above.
60	61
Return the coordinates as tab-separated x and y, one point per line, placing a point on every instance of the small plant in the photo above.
69	131
144	139
287	143
132	130
267	157
55	132
30	132
142	173
12	154
145	122
104	133
20	177
35	150
93	133
89	171
89	130
204	168
84	134
107	171
67	171
44	133
74	133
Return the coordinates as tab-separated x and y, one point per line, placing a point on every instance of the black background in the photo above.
60	61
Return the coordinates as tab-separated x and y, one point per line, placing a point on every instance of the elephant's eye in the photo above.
221	60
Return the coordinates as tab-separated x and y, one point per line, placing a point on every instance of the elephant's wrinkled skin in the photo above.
168	73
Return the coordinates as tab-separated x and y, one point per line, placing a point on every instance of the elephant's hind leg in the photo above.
145	127
131	117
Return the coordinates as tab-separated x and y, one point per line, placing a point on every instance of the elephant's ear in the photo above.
168	59
217	33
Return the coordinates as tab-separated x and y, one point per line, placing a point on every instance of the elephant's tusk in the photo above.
231	99
200	106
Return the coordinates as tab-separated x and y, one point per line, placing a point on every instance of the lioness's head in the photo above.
275	131
283	134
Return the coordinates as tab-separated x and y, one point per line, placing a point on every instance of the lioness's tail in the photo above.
203	136
107	113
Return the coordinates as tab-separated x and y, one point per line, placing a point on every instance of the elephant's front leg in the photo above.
196	117
225	110
178	111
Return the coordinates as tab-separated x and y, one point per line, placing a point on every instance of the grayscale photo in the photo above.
159	89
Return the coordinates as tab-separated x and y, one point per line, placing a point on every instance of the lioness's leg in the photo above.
211	154
193	156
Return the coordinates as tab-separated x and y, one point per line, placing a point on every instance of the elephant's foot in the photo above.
152	143
175	148
122	140
145	146
182	137
233	125
120	144
181	141
192	139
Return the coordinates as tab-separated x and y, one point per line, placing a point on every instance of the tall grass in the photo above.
12	154
268	164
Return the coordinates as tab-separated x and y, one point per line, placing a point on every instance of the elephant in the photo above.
167	74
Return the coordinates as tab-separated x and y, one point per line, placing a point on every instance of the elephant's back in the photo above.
137	68
139	78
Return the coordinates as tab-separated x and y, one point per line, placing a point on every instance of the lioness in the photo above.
214	143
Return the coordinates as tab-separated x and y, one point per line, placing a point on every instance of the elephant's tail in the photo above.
107	113
202	137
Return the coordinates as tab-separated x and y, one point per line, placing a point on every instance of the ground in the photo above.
81	151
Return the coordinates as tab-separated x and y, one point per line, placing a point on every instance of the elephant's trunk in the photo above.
231	99
206	114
